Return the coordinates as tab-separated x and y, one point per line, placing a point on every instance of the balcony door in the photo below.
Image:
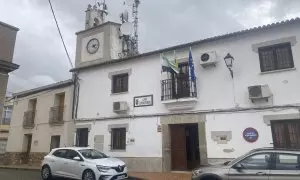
181	82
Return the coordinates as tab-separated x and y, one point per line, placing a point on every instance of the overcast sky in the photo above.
163	23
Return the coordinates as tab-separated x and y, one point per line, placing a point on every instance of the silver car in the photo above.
258	164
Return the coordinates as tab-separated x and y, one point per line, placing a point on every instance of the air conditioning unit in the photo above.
120	107
208	59
259	92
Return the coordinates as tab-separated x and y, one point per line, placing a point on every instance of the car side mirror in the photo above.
238	167
77	158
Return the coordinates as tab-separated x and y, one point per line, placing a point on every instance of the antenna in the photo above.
103	10
135	8
129	30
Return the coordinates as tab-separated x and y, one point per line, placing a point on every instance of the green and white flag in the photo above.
168	65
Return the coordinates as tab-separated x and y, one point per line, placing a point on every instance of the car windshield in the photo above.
92	154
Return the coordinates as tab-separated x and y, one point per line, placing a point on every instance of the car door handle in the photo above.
82	165
65	163
261	173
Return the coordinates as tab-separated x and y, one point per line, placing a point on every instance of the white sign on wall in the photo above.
141	101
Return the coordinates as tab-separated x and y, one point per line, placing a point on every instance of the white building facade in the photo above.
159	121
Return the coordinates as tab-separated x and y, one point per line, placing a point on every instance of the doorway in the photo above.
82	135
185	154
27	145
286	133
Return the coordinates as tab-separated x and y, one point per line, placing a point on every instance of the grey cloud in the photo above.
162	23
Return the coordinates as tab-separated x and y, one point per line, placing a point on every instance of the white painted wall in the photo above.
237	123
42	132
214	85
142	130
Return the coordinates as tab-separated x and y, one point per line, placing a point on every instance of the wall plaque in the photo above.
250	135
140	101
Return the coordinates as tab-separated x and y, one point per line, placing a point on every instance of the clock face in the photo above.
92	46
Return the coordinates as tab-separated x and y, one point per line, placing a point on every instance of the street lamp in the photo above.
229	63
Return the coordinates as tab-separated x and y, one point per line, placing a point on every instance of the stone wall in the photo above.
143	164
36	158
16	158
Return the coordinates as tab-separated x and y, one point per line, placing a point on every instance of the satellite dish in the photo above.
126	28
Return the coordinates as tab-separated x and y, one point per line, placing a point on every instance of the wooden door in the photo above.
178	147
286	134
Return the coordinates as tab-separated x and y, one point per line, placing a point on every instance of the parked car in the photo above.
258	164
82	163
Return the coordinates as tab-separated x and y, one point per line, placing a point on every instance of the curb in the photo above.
20	168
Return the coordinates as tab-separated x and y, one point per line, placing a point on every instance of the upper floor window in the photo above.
276	57
120	83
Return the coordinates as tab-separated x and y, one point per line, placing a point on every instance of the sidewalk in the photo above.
139	175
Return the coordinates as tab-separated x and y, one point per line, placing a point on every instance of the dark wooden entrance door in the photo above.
286	134
178	147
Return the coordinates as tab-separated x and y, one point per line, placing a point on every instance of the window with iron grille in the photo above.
276	57
118	138
120	83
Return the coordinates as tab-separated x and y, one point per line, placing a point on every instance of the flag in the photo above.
168	65
191	66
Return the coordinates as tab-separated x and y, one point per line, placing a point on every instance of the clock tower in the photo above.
100	41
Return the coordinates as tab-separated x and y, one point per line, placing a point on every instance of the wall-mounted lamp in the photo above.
229	63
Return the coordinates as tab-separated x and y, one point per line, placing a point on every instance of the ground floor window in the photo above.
55	142
118	138
82	137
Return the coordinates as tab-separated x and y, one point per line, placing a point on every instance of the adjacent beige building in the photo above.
41	120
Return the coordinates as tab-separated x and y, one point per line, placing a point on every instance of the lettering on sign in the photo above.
141	101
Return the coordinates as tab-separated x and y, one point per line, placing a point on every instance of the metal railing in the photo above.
28	119
56	115
178	88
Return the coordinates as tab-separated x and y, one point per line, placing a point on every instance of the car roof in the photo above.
72	148
281	150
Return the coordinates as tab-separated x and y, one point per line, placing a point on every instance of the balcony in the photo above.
179	93
56	115
28	119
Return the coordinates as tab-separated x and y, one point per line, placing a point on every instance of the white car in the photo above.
82	163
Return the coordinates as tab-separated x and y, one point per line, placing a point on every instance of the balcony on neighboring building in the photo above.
56	115
28	119
179	93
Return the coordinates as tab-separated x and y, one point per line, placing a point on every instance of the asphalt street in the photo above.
9	174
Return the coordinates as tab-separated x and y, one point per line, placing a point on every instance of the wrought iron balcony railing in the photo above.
56	115
28	119
178	88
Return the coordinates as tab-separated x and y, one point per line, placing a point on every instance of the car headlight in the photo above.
102	168
197	172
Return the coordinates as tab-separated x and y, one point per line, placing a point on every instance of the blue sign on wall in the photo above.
250	135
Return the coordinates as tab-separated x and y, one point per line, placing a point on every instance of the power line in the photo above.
61	37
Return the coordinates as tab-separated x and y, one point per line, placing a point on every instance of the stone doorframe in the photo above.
166	138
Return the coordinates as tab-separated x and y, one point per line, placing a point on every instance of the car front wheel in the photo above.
88	175
46	173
